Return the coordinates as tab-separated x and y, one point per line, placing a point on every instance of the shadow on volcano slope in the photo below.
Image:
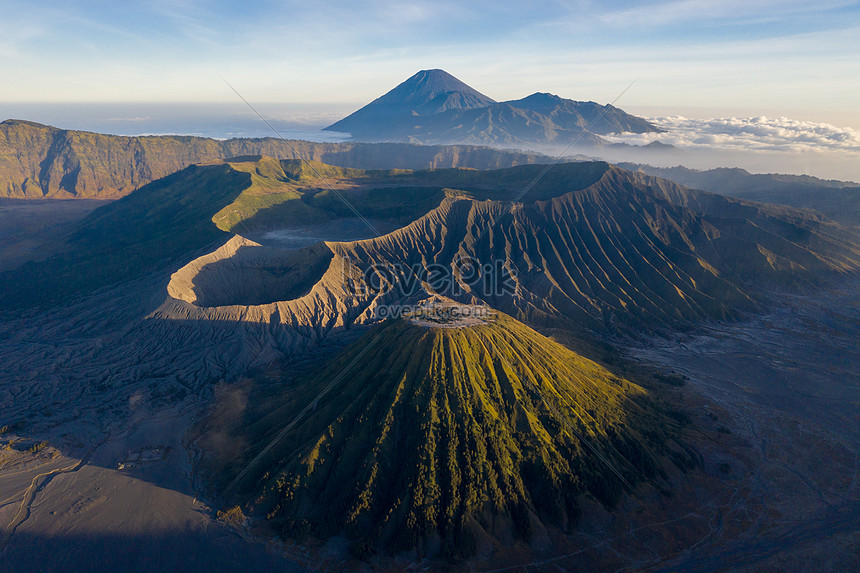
130	237
255	275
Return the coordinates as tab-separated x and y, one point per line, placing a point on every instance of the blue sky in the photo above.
691	57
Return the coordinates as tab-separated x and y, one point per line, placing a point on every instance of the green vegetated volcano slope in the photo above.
39	161
285	193
447	438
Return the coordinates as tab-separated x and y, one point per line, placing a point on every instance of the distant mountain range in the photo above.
42	162
434	107
839	200
38	161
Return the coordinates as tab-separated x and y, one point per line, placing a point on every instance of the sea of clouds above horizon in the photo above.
747	133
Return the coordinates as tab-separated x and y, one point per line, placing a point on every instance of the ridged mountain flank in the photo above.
589	245
593	246
447	435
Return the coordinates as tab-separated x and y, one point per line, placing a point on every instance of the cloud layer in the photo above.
749	133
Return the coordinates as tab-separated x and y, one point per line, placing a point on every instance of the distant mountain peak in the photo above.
434	82
434	107
426	85
426	93
542	96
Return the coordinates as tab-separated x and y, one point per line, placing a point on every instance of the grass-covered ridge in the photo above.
449	435
291	192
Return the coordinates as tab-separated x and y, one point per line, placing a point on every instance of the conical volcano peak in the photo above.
428	84
449	436
427	93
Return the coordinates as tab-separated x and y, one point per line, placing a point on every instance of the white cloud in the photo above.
749	133
128	119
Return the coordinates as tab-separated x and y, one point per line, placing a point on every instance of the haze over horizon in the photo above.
732	58
768	86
